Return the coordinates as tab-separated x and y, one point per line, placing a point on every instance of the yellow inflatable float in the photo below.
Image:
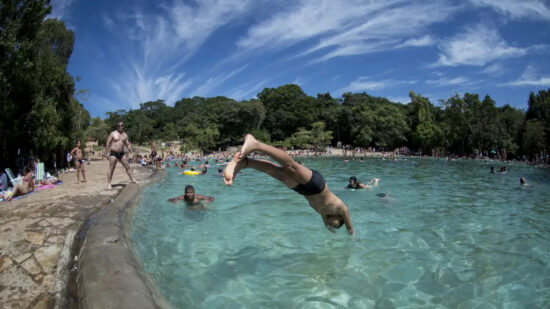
191	173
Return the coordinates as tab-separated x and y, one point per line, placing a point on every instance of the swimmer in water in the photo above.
191	199
522	181
355	184
385	197
301	179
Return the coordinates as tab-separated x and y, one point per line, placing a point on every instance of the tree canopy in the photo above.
38	112
286	116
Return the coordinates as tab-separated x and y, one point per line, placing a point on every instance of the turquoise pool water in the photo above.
448	235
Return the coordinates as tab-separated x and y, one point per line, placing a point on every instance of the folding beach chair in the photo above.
39	175
14	181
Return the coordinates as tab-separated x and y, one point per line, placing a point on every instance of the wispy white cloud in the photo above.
403	100
108	22
495	69
386	30
135	86
206	88
425	40
304	20
349	27
194	24
530	77
249	90
477	46
449	81
298	81
531	9
367	84
167	38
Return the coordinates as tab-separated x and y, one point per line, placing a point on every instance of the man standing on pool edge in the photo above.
299	178
115	143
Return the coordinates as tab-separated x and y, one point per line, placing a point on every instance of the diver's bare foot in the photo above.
109	186
248	145
135	181
83	181
233	168
229	171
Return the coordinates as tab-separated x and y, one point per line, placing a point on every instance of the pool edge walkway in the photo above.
110	275
37	234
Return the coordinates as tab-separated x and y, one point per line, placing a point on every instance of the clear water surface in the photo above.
448	235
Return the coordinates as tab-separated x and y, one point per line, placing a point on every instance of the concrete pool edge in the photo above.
110	275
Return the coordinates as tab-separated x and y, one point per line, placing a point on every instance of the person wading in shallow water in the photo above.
115	144
299	178
195	201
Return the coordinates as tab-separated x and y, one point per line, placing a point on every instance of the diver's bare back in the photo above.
118	140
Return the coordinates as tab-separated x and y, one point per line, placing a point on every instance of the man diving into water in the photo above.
299	178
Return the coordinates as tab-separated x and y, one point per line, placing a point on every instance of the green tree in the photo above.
319	137
534	138
510	123
38	112
287	109
97	131
539	109
169	132
428	137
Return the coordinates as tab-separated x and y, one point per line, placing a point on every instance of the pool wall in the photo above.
110	275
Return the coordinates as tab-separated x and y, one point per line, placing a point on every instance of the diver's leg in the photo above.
294	170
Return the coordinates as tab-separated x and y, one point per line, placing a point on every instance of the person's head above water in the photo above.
189	193
353	181
522	181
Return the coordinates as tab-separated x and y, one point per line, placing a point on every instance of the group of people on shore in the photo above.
24	184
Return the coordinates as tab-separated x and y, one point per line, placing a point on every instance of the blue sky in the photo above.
130	52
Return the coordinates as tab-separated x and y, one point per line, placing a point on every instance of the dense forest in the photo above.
40	115
286	116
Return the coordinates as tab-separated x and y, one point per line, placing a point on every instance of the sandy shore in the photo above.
37	233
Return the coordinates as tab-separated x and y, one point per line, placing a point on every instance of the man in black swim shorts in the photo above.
115	144
78	155
306	182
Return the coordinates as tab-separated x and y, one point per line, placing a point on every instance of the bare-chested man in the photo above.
115	144
193	201
299	178
78	156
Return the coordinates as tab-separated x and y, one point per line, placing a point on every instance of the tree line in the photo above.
39	114
286	116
